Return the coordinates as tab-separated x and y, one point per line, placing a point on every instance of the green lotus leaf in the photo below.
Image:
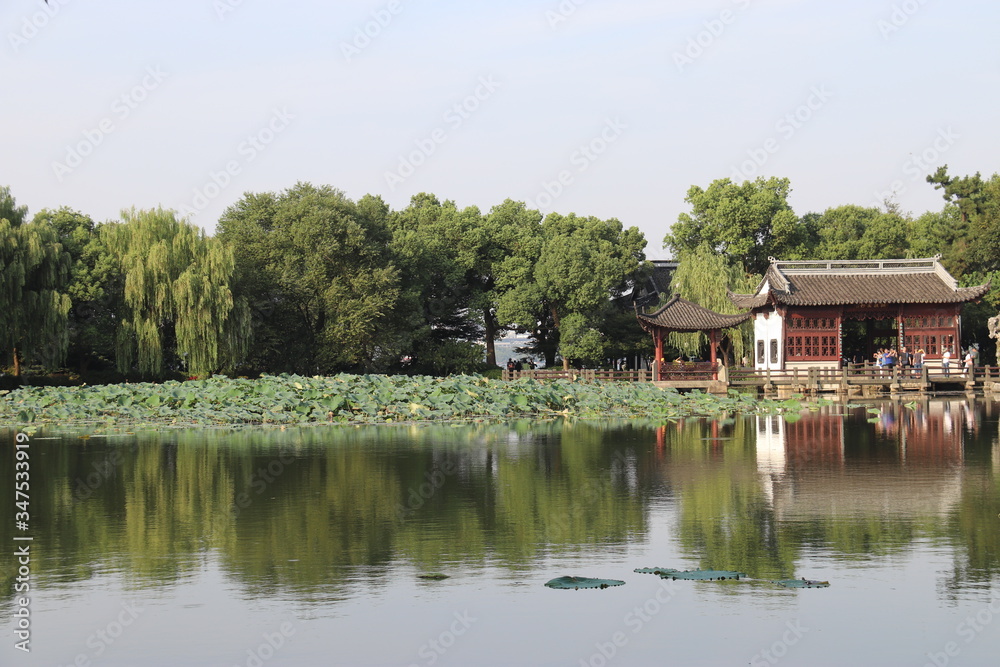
704	575
802	583
655	570
582	582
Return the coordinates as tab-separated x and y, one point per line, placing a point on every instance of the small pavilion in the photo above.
683	316
816	313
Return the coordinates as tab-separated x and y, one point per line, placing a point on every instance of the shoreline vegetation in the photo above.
294	400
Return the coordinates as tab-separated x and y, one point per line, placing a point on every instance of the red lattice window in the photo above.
933	332
932	344
812	338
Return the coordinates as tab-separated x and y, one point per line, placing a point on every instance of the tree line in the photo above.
309	281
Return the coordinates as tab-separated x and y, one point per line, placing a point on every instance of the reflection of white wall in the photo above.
888	491
767	329
996	457
770	451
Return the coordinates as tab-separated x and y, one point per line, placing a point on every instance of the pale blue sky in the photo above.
117	104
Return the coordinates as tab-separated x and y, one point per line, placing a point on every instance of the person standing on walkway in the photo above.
970	362
946	361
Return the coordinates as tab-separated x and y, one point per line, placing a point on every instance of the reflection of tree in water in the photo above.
725	518
346	505
845	485
308	508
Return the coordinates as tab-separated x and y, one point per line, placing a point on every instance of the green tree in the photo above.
705	277
317	270
978	203
751	221
94	288
177	300
854	232
942	233
436	319
34	271
503	253
581	339
579	265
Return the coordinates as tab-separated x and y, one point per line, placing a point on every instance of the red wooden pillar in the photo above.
957	352
658	362
713	338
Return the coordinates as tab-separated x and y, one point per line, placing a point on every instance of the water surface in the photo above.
308	546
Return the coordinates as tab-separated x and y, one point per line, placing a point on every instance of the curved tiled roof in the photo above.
903	288
747	300
858	282
681	315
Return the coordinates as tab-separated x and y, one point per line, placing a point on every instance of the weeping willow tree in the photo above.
34	271
703	276
176	295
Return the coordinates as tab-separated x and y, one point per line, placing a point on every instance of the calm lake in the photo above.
311	546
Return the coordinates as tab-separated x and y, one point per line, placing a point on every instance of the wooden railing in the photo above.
811	379
579	374
688	370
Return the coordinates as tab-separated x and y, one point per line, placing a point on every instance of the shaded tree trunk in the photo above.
555	322
490	325
17	363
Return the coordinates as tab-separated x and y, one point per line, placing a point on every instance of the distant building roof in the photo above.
681	315
648	291
846	282
663	271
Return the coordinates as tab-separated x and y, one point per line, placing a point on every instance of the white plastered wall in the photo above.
768	329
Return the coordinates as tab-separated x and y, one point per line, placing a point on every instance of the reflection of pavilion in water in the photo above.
825	462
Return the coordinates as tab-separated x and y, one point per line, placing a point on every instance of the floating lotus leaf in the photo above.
582	582
703	575
655	570
802	583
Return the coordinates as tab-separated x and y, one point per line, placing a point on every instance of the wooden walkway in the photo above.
857	379
850	380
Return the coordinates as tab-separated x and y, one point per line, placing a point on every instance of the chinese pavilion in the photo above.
682	316
816	313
